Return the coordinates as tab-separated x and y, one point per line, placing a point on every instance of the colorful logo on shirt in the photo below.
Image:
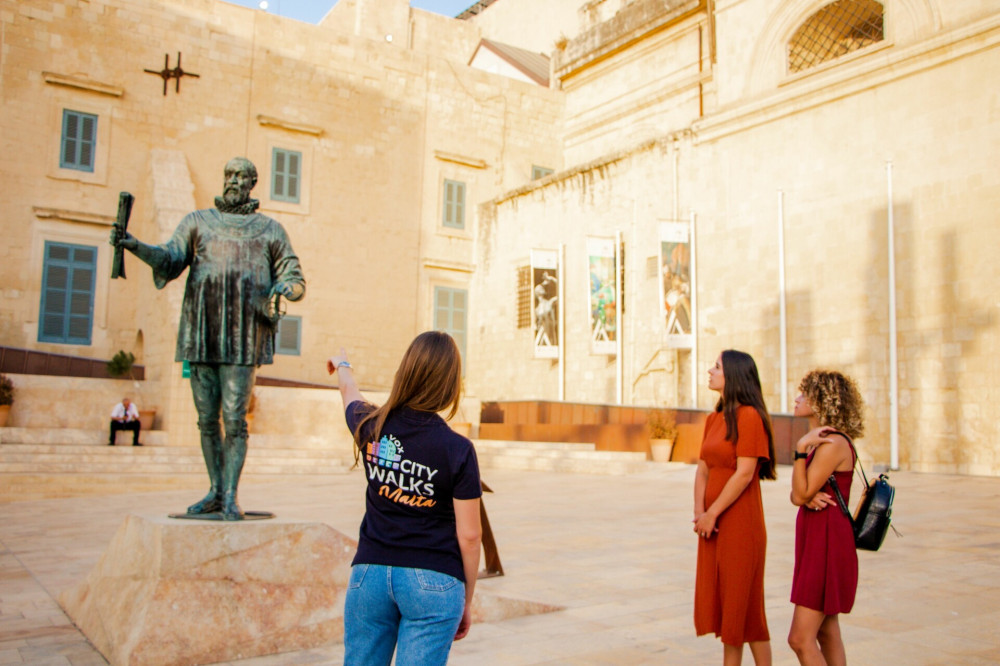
399	479
388	452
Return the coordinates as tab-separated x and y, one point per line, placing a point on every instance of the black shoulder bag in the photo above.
873	516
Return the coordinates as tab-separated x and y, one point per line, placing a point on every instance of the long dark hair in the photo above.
742	387
429	379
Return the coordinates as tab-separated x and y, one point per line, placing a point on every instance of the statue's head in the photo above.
241	176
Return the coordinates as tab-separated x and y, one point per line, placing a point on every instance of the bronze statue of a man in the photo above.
238	260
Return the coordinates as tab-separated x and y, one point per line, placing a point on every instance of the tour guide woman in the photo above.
736	452
826	564
413	576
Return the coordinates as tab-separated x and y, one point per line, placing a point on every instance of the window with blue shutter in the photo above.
288	339
450	311
454	204
66	313
79	139
286	175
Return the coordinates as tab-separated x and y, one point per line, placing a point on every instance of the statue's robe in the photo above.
234	260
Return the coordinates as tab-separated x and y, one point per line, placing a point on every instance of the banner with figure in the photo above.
675	286
544	301
603	295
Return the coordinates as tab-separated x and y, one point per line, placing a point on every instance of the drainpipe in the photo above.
694	316
893	360
783	317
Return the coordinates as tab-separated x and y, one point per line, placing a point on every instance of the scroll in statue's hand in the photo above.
123	239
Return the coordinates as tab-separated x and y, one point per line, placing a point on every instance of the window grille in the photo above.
835	30
524	296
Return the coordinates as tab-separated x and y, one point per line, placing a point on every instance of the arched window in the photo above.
835	30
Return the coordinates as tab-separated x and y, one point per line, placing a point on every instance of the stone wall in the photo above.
823	140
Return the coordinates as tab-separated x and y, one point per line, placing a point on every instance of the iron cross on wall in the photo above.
166	73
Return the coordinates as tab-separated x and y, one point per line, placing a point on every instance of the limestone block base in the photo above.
186	592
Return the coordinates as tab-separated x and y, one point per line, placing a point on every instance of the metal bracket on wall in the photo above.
167	73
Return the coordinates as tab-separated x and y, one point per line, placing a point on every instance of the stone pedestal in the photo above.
186	592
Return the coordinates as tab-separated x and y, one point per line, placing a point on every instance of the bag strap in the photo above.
833	478
857	459
840	498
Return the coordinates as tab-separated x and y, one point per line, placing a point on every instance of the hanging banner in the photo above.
545	310
675	287
603	295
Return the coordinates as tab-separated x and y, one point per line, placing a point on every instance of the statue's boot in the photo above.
230	508
211	450
235	448
211	503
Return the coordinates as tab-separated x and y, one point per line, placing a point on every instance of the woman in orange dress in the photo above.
736	452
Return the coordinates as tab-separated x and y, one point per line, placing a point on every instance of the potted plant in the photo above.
662	425
6	398
121	364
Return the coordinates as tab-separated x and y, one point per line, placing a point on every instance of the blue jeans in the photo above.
415	612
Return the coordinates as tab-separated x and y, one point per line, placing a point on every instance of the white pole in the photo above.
782	317
694	317
619	366
561	336
893	361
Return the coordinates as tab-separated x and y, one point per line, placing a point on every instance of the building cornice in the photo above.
301	128
82	84
82	217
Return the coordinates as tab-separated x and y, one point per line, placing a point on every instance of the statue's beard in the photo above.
241	207
234	196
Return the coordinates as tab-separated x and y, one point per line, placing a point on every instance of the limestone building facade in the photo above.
696	175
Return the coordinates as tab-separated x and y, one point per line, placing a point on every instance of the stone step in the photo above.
548	456
26	487
148	459
127	451
67	469
92	437
539	446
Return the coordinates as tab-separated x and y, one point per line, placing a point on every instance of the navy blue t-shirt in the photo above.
414	471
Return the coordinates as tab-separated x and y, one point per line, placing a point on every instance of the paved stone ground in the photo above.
617	552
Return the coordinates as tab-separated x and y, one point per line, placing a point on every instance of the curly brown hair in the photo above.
835	400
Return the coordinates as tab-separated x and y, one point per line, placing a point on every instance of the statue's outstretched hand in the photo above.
123	239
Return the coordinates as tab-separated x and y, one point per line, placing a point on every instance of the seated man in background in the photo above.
125	416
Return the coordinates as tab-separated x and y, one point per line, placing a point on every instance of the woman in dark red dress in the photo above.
736	453
826	562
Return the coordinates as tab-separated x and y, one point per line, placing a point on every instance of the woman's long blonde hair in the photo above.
429	379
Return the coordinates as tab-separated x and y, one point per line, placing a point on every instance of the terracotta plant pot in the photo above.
146	417
660	449
4	413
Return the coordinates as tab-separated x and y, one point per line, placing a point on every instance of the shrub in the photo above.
6	390
662	424
121	364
